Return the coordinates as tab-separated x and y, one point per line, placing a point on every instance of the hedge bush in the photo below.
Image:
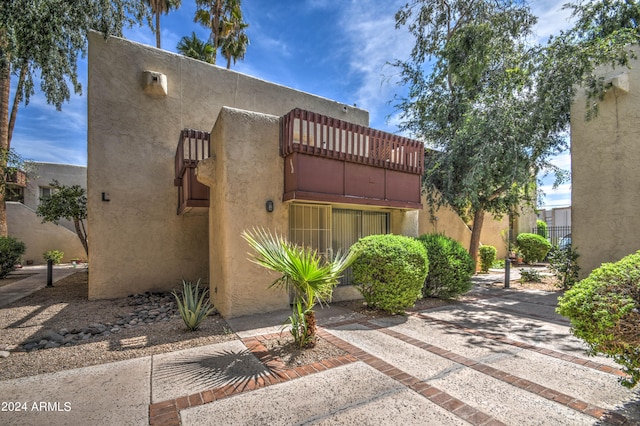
604	310
533	247
450	267
55	255
11	250
389	271
487	257
541	230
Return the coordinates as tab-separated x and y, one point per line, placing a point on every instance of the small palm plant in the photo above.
305	273
193	304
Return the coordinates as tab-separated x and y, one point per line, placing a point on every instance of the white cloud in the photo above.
373	42
552	18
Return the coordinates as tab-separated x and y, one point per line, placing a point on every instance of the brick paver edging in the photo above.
524	384
548	352
433	394
165	413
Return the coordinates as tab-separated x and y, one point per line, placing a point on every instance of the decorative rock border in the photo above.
150	308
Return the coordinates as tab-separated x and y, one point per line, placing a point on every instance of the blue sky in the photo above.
338	49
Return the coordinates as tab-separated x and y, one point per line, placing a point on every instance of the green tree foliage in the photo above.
225	21
157	8
533	247
66	202
193	47
11	250
604	310
494	106
487	257
390	271
450	267
44	38
305	273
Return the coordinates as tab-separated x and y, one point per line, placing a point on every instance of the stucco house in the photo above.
605	171
183	156
25	225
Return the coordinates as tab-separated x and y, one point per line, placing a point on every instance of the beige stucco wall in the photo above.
605	170
445	221
38	237
244	174
138	243
24	224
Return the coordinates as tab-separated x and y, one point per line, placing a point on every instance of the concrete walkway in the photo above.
504	357
35	279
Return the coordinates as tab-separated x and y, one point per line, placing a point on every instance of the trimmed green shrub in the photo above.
11	250
390	271
54	255
604	310
450	267
563	263
533	247
487	257
541	226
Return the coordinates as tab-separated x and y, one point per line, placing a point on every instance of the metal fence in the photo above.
553	233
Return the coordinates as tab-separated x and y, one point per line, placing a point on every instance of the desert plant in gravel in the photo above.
305	273
193	304
11	250
604	310
487	257
450	267
390	271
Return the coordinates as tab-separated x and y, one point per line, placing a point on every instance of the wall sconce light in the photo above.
105	196
269	206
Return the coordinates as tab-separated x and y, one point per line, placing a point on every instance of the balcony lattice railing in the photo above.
315	134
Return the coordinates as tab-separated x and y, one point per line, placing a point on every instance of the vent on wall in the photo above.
154	83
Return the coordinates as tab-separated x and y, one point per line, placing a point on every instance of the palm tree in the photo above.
193	47
159	7
218	16
234	45
304	273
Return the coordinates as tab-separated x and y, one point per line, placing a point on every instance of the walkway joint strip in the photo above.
503	376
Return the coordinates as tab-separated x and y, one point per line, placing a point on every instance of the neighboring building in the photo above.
605	163
261	155
557	216
25	225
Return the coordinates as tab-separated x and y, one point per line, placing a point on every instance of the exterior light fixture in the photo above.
269	206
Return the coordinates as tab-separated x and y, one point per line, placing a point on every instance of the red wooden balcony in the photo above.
193	146
16	178
330	160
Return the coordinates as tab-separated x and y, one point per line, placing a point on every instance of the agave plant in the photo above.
305	274
193	304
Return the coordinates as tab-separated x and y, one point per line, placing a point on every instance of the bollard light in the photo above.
507	272
49	272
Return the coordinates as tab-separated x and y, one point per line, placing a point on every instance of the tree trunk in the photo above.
80	231
5	90
476	230
158	29
16	101
310	319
